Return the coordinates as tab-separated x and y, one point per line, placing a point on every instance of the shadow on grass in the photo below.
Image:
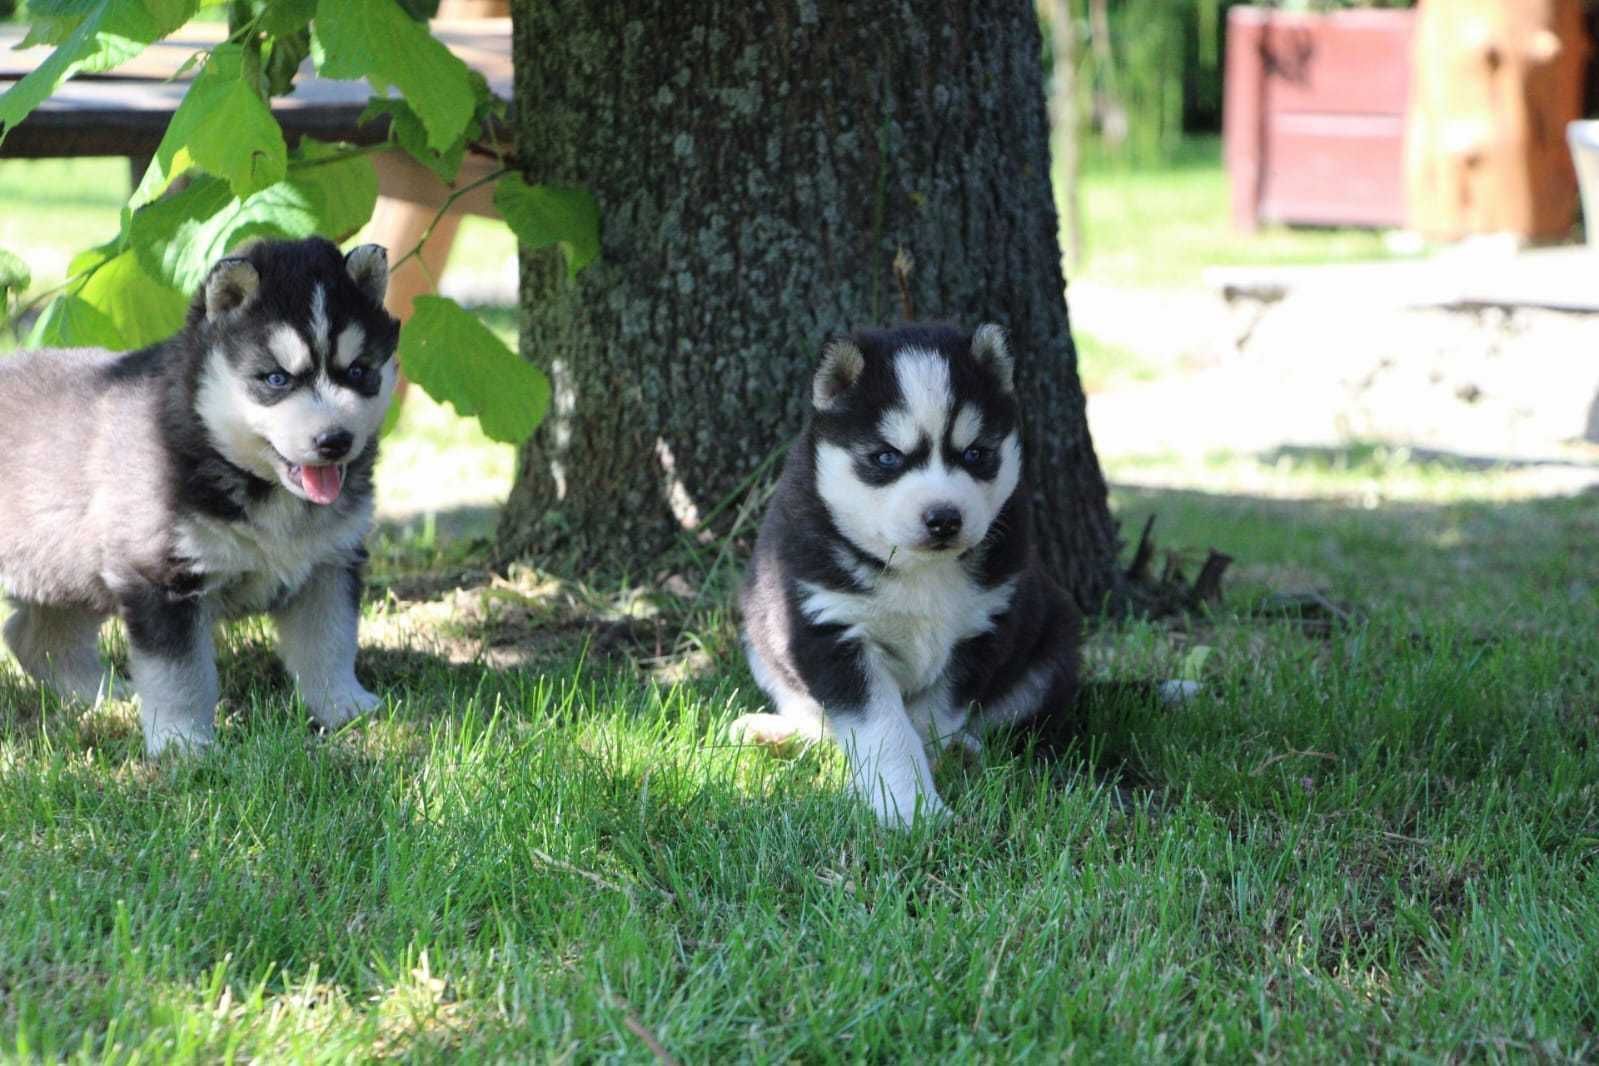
1377	457
1448	580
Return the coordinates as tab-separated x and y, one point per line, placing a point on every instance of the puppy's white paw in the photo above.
901	812
1175	692
164	734
771	731
334	708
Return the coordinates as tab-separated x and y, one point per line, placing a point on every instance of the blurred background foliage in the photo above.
1147	72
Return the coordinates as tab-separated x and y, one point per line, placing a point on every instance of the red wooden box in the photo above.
1314	115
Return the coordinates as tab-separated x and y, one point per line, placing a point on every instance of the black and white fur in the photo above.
226	470
895	601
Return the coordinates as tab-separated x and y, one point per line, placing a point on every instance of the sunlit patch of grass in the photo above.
1165	225
438	469
1367	474
1102	365
56	208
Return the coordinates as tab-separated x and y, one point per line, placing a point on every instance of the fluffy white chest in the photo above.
274	549
916	618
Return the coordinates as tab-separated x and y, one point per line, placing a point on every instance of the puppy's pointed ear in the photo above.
368	265
842	363
230	287
992	350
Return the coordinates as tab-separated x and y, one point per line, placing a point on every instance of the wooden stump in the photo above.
1495	82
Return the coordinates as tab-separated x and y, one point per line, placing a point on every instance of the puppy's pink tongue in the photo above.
322	482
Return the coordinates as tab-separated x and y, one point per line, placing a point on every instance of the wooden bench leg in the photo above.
409	199
397	225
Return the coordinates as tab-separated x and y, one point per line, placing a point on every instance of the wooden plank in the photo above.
1313	119
1242	117
1346	170
160	60
1355	62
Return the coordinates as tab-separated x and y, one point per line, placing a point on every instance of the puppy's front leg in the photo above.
887	756
940	720
173	661
317	640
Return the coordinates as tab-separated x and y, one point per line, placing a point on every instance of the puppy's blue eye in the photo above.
357	372
277	379
975	456
888	459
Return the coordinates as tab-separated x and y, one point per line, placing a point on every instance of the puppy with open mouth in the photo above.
224	471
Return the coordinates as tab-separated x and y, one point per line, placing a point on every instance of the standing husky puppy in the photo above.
224	471
895	599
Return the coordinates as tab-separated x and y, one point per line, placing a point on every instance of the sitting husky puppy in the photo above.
895	599
226	470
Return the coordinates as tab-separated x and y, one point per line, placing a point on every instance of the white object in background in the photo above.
1583	136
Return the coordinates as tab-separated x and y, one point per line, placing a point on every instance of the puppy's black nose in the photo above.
333	444
943	521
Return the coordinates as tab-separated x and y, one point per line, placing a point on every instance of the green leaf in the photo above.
377	40
52	21
284	17
91	258
130	26
141	309
222	126
104	35
457	360
61	8
69	322
1193	665
14	273
342	190
542	215
36	86
50	29
178	237
407	131
285	54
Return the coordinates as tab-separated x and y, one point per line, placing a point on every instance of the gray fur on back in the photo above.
83	485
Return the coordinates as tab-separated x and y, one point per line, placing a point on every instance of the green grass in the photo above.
1164	226
1374	842
56	208
1373	839
1103	365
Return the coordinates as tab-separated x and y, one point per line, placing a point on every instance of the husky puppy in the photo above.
227	470
895	600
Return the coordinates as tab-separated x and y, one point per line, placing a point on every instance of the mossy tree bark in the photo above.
758	167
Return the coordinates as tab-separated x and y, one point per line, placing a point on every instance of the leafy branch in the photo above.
224	173
444	209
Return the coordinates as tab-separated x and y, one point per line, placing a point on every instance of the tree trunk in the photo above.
1495	83
758	168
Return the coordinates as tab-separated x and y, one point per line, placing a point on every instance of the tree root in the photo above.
1145	595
